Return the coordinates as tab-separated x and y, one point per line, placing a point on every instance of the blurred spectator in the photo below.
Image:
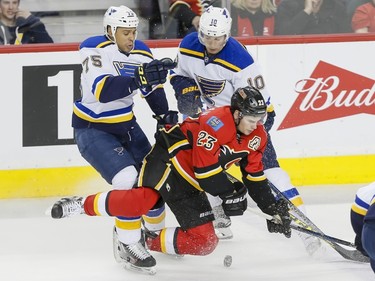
20	26
311	17
253	17
363	20
187	13
150	10
352	5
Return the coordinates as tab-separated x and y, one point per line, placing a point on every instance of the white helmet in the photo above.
215	22
119	17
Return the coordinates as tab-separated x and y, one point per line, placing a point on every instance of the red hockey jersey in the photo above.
216	145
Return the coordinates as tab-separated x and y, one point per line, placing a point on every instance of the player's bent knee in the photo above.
125	179
207	238
210	243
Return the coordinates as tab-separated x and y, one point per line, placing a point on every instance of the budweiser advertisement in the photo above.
330	92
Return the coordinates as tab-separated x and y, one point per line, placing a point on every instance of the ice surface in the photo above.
36	247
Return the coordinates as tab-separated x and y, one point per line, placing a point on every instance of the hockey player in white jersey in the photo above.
115	67
362	218
210	65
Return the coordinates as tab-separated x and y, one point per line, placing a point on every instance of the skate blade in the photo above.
143	270
224	233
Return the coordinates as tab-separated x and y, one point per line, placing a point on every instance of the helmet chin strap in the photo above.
239	118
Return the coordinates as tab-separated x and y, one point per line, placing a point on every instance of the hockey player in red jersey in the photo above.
188	160
210	66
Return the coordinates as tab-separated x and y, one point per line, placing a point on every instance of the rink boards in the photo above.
323	94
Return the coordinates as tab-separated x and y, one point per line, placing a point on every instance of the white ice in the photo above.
34	247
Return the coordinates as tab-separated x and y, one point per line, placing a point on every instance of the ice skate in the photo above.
133	257
67	207
312	244
222	223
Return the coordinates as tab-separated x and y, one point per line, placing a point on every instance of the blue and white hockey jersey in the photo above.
108	87
220	75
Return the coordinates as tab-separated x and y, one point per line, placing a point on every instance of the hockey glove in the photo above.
235	203
281	222
170	118
153	73
188	95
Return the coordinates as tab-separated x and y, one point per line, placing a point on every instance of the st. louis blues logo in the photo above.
125	68
210	88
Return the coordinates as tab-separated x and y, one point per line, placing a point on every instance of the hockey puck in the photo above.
227	261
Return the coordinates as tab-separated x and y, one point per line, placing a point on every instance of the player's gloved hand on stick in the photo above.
153	73
235	203
281	222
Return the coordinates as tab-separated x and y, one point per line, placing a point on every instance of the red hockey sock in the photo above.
128	203
200	240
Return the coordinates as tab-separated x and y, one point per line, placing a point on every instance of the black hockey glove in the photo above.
281	222
170	118
235	203
188	95
153	73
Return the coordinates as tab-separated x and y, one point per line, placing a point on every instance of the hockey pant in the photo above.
196	234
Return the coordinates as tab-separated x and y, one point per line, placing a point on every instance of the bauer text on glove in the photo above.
235	203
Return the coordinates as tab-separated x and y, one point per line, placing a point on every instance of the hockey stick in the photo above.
305	222
322	236
304	230
353	255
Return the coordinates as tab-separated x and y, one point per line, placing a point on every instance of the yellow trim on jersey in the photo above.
251	178
142	52
195	53
209	173
177	145
186	176
163	178
99	87
110	119
227	64
128	225
104	44
359	210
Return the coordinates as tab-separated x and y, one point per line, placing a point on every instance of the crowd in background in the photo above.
175	18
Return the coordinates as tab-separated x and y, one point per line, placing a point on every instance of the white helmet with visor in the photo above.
215	22
120	16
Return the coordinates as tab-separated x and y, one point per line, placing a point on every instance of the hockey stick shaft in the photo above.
322	236
353	255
